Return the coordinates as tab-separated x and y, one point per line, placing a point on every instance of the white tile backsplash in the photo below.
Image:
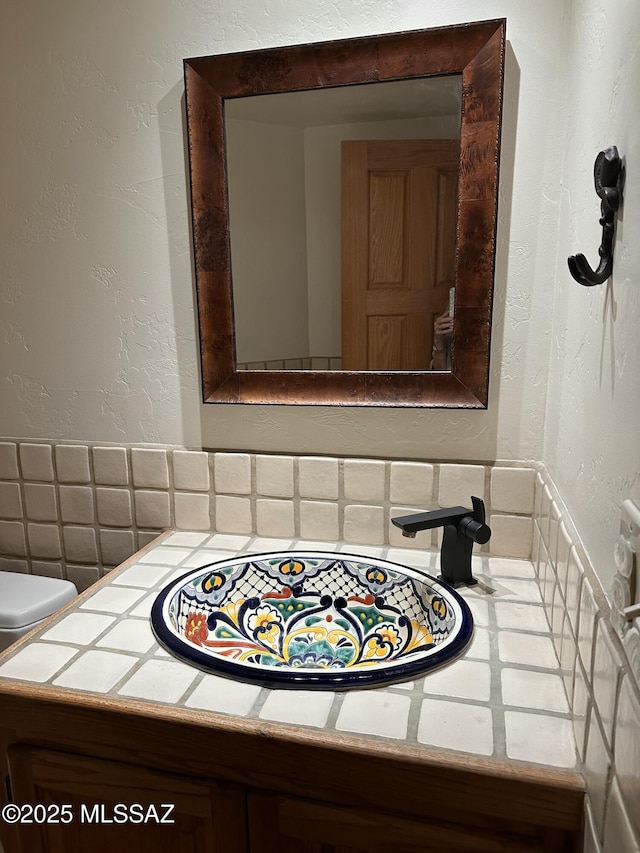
36	462
68	509
191	470
11	501
76	504
44	540
110	466
150	468
9	461
191	511
114	507
72	463
318	477
512	489
275	517
411	483
41	502
364	480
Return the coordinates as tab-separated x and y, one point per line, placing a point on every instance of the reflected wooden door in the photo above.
398	249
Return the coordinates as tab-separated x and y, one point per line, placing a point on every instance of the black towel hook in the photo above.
608	176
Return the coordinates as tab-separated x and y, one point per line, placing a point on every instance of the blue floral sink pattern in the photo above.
311	619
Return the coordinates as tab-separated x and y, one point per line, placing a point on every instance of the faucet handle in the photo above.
474	527
479	513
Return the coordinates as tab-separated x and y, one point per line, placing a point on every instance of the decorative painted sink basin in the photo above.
311	619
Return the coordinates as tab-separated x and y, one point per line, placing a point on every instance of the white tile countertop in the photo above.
503	699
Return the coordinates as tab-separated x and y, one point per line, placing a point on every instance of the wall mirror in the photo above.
344	195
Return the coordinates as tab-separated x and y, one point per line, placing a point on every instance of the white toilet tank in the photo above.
25	600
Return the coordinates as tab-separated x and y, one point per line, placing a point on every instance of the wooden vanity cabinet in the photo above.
111	806
244	785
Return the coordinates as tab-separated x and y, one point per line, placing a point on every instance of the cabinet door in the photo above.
289	825
206	818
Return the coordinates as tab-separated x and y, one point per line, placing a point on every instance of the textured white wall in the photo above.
97	322
592	443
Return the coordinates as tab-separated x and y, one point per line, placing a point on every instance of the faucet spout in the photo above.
462	527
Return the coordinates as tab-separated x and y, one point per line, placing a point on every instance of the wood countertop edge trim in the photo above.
338	742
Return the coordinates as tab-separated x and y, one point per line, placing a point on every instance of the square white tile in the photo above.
44	541
160	681
411	483
113	599
540	739
143	575
153	509
463	679
375	713
11	500
275	517
503	567
527	649
76	504
512	489
96	671
116	546
480	645
79	628
110	466
37	662
527	689
318	477
223	695
232	514
191	511
191	470
525	617
41	502
458	483
129	635
301	707
319	520
512	535
72	463
456	725
232	473
165	555
150	468
9	460
36	461
363	525
186	539
227	542
364	480
114	507
274	476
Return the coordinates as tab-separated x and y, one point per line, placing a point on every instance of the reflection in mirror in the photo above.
213	84
378	162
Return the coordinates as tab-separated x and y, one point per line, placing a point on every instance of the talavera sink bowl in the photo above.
311	619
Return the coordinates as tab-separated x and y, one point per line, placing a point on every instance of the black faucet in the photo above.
462	527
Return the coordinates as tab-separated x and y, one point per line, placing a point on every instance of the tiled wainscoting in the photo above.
71	510
601	685
76	510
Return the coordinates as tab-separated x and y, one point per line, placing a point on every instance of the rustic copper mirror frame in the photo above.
476	51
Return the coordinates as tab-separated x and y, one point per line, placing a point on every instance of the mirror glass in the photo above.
279	274
290	161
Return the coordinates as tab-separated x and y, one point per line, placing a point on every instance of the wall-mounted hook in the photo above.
608	179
